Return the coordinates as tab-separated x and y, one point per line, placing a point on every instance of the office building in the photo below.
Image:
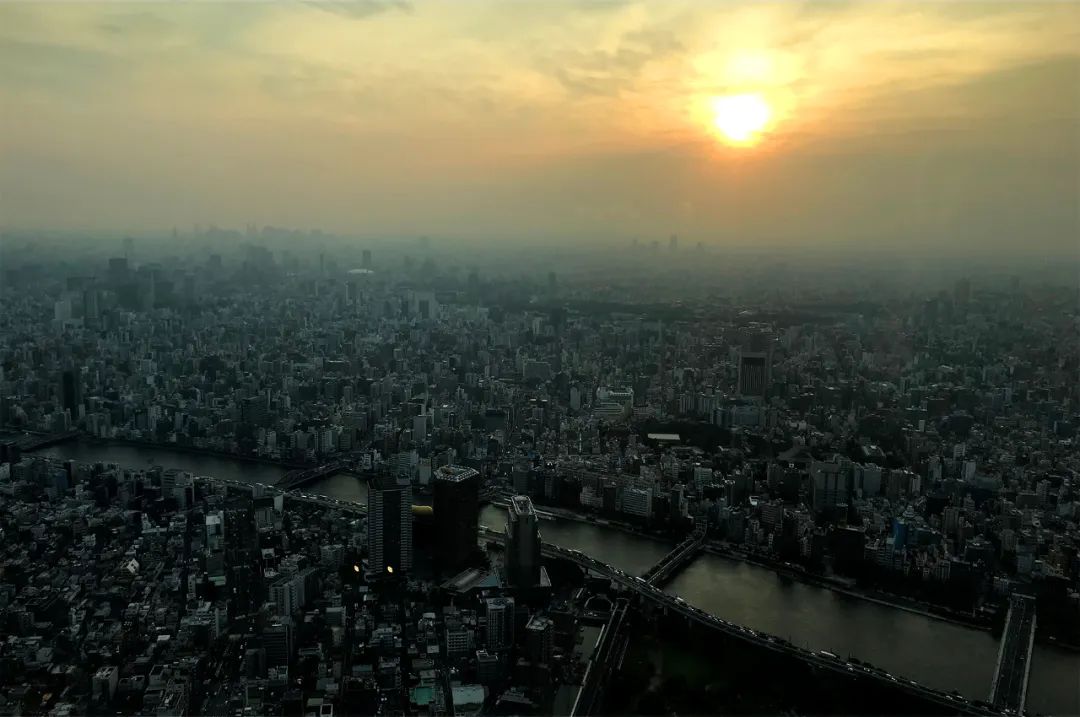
637	502
499	613
753	373
71	391
456	499
522	544
105	682
277	641
458	641
488	667
829	484
292	592
539	636
118	270
215	531
389	526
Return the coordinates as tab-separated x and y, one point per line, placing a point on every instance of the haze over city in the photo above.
465	358
932	127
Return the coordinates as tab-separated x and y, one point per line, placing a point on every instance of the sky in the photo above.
950	126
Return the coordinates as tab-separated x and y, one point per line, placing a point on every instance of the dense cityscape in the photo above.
402	358
910	444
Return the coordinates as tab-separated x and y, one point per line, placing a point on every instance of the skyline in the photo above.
899	126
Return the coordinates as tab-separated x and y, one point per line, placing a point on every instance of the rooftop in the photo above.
454	473
522	505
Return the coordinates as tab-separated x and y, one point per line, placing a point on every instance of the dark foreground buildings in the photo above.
456	498
389	527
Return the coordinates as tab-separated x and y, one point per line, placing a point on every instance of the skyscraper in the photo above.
118	270
753	373
522	544
277	640
456	498
389	526
71	391
539	635
499	613
828	483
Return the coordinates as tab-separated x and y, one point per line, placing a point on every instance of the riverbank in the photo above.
849	590
194	450
564	514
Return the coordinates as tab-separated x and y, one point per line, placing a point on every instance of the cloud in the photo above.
359	9
609	73
494	117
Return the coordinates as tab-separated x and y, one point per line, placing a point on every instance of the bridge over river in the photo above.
1013	670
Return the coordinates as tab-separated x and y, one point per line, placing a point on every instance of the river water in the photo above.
934	652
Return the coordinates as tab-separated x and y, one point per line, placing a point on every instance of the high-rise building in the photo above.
105	682
290	593
456	498
488	667
499	612
829	484
520	476
539	635
277	640
389	526
71	391
522	544
118	270
215	531
753	373
637	502
254	410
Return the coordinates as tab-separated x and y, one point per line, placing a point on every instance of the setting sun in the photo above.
741	118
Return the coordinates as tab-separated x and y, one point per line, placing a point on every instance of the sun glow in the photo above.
741	119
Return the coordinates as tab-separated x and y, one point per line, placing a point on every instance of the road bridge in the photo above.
32	441
669	565
607	658
301	476
952	701
1009	688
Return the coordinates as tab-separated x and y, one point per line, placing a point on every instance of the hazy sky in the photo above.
945	125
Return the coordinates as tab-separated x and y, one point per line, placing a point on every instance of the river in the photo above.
934	652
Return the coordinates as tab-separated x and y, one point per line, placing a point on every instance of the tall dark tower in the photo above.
456	498
70	391
389	527
753	373
522	544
